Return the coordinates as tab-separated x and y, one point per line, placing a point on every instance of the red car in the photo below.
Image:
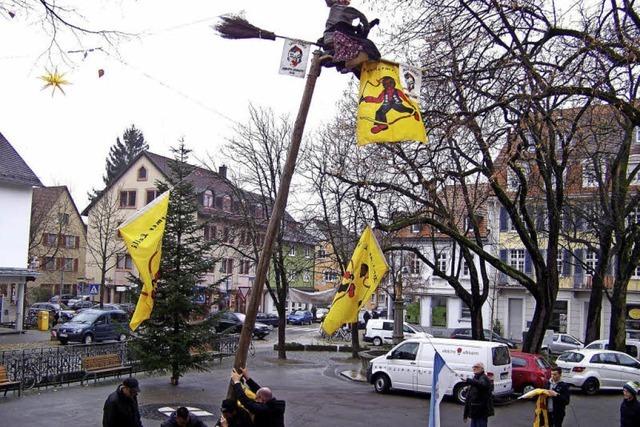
529	371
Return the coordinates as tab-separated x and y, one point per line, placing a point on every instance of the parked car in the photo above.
320	314
465	334
379	331
593	370
229	322
57	312
80	304
128	307
529	371
300	317
109	306
268	319
95	325
64	298
632	347
409	365
559	343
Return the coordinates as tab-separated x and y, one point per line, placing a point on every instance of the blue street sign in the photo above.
94	289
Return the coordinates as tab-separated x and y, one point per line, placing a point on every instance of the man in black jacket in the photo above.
479	404
233	416
560	397
183	418
121	407
267	410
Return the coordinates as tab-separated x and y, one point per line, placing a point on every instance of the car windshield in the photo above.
543	363
85	317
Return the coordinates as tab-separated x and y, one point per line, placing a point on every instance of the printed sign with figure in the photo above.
295	55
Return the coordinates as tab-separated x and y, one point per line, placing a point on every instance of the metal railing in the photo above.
47	366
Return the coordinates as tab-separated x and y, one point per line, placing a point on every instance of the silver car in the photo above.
593	370
559	343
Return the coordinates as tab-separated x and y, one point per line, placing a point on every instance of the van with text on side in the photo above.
409	365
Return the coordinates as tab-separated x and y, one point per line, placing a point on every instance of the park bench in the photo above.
6	384
103	365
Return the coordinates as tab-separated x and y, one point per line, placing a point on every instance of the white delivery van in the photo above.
409	365
379	331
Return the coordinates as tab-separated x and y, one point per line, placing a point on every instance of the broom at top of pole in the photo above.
233	26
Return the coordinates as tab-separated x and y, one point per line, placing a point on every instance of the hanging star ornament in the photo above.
55	80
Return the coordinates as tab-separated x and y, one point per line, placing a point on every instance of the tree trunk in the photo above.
477	329
282	325
535	335
617	329
355	340
175	374
595	312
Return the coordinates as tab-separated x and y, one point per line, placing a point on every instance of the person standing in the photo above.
121	407
267	410
630	407
479	404
559	398
366	317
233	416
183	418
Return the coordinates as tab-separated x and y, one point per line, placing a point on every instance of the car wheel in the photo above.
88	339
381	383
460	392
591	386
527	388
64	341
377	341
122	337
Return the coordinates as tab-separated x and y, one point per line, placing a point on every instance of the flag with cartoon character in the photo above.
364	272
385	112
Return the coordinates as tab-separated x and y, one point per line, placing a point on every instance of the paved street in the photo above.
316	395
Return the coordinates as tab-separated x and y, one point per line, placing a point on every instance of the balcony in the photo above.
585	282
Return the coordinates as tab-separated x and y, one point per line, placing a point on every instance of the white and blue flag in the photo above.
443	378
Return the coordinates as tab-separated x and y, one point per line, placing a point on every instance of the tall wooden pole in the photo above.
276	215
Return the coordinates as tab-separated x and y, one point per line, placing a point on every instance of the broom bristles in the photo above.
236	27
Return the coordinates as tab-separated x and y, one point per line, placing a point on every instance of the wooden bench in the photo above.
103	365
6	384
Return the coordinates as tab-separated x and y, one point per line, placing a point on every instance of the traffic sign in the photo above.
94	289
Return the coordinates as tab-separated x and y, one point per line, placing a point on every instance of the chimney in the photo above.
222	171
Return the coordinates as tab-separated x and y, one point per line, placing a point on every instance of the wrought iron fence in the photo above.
47	366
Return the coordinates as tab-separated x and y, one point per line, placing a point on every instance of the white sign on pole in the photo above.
94	289
295	55
411	78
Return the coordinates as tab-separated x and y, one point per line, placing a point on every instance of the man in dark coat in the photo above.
121	407
560	397
233	416
630	407
267	410
183	418
479	404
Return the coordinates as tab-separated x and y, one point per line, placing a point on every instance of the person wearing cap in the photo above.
183	418
630	407
233	416
479	404
267	411
121	407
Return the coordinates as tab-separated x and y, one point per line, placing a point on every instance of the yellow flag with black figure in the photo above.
385	112
364	273
142	234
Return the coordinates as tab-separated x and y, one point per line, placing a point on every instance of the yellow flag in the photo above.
143	234
385	112
364	272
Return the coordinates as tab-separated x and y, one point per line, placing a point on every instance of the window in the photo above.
210	232
142	174
292	250
227	235
516	259
207	199
568	340
465	268
465	313
625	360
407	351
590	260
227	203
307	251
322	253
124	262
245	267
227	266
70	241
513	182
442	261
51	239
152	195
413	263
68	264
63	219
634	217
330	276
589	176
560	261
415	228
128	199
517	362
559	318
49	263
637	133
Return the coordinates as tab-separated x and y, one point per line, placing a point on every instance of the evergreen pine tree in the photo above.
167	340
121	154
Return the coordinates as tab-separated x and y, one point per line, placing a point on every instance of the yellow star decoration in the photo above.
55	80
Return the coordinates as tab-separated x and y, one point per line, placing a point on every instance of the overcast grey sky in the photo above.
177	79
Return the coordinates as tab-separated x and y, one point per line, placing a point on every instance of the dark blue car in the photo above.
95	325
300	317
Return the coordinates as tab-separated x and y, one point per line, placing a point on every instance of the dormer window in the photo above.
415	228
142	174
207	199
589	174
